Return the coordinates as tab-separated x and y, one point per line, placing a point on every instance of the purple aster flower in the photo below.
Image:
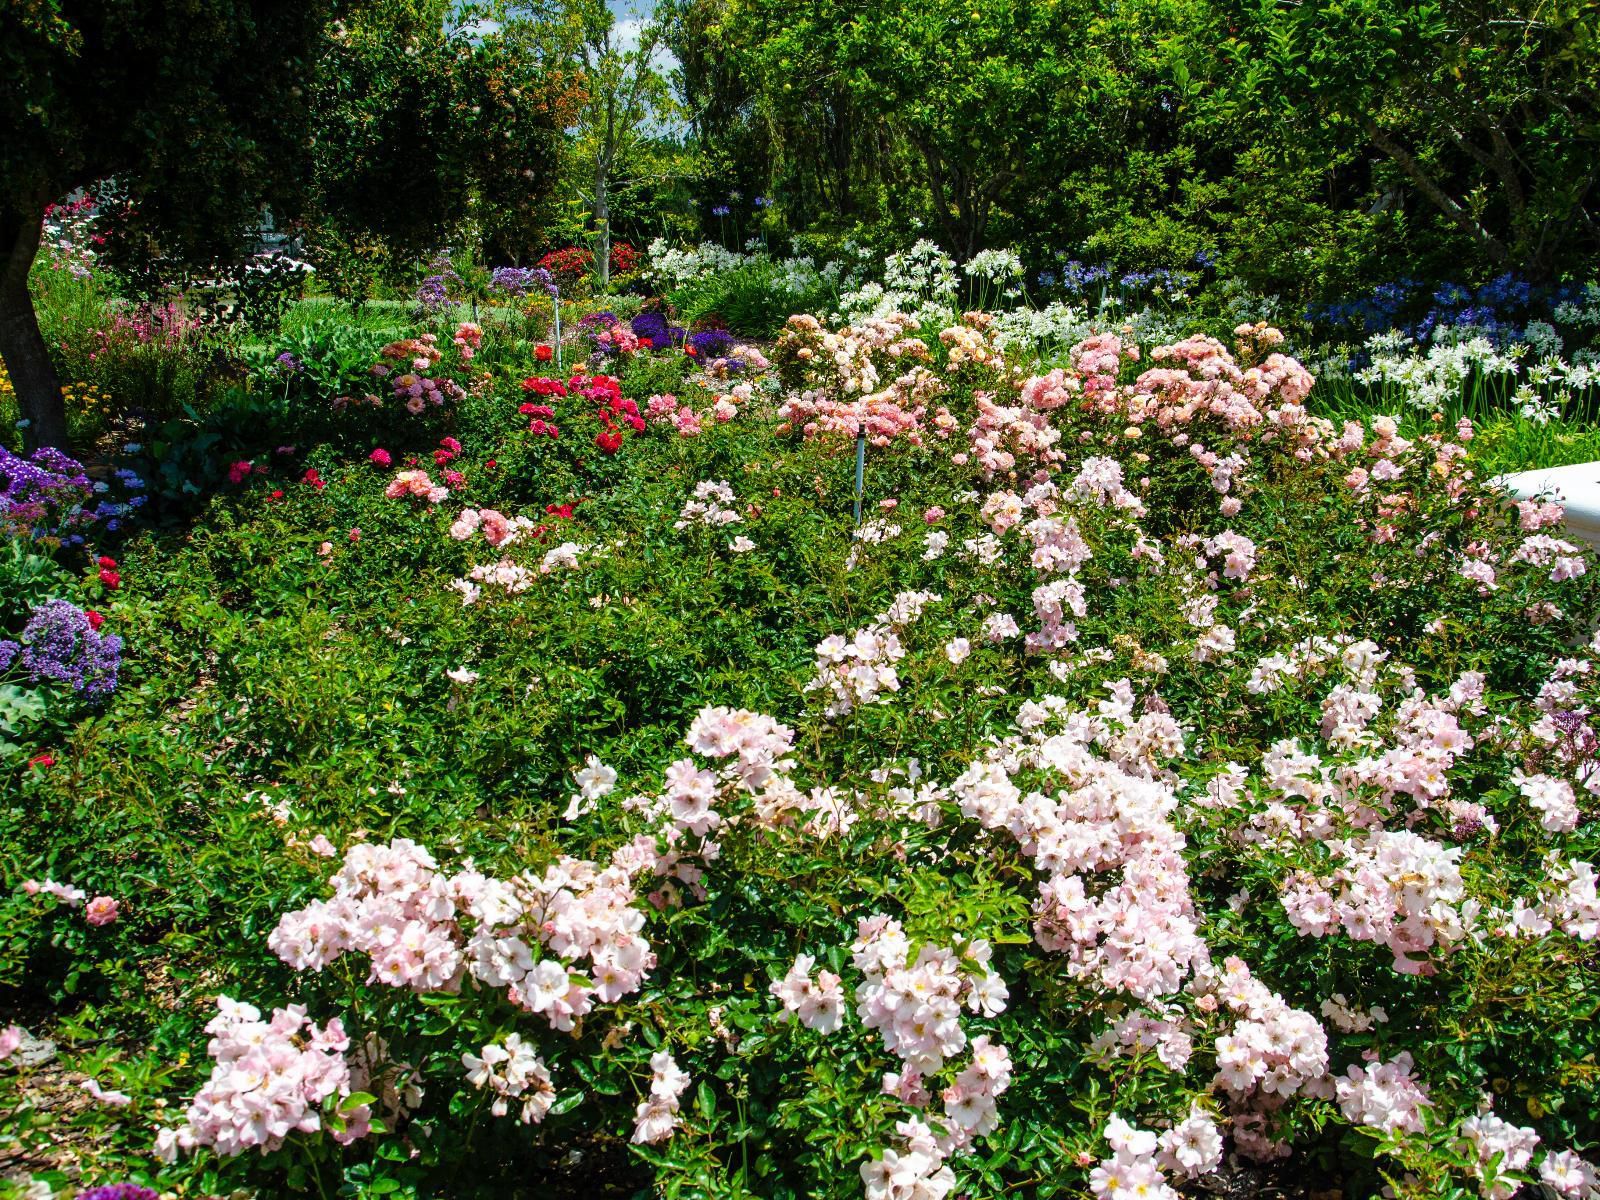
119	1191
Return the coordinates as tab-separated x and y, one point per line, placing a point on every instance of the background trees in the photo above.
378	125
1310	145
200	112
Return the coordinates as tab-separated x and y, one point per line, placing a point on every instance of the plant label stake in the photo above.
861	468
557	299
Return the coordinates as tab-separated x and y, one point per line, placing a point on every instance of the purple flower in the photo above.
289	364
436	291
119	1191
654	326
710	343
721	210
42	494
59	644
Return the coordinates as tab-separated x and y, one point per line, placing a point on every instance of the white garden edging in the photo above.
1577	487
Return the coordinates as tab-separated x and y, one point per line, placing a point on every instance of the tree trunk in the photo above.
602	228
33	376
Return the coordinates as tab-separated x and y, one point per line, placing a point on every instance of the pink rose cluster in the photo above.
1395	888
1141	1160
71	897
510	1070
657	1114
860	670
271	1080
498	529
417	485
818	1003
712	505
393	905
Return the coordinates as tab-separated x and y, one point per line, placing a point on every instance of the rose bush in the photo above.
1161	779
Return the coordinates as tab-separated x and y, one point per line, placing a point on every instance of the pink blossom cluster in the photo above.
1395	888
915	1004
1006	438
1137	933
418	485
664	409
498	530
391	904
1502	1150
511	1071
657	1115
1564	559
271	1079
860	670
842	373
1099	480
1570	1176
818	1003
1383	1095
711	505
916	1171
1139	1157
68	895
1274	1050
1237	551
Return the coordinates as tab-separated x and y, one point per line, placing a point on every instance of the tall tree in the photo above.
1487	110
198	110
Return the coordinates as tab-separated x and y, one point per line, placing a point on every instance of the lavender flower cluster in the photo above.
47	494
438	292
43	490
61	643
520	281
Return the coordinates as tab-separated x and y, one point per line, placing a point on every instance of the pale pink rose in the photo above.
102	910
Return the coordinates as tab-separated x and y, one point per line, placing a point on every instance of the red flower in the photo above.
277	495
490	465
314	479
103	561
608	443
543	353
689	350
110	578
95	619
380	457
42	760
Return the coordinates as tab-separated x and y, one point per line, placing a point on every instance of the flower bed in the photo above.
1161	779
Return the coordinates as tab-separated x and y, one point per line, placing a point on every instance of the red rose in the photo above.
41	760
110	578
277	495
543	353
95	619
103	561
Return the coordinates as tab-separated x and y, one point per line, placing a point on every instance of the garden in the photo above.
604	604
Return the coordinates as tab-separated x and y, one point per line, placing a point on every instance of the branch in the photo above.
1413	171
